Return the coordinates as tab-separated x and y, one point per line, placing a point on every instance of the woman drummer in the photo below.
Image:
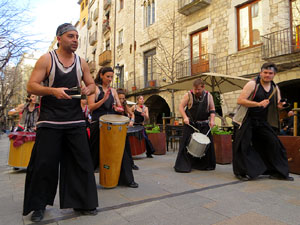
104	101
127	112
28	114
141	114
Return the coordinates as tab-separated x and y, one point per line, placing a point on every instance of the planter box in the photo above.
158	141
292	146
152	83
223	148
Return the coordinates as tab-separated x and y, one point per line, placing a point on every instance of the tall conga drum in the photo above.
21	144
113	130
136	140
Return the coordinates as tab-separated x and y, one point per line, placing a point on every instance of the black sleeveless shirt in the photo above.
105	108
61	113
138	118
260	112
203	112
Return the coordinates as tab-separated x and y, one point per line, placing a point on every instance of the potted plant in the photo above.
223	145
158	140
292	146
152	83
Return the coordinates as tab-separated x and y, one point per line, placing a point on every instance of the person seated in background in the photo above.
28	114
288	124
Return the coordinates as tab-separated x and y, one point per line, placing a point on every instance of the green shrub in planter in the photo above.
154	130
217	130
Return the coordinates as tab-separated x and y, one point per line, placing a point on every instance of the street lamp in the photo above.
118	73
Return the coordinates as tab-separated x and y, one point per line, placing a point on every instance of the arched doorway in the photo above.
157	106
290	90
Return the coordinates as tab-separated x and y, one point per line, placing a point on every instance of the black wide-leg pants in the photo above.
60	155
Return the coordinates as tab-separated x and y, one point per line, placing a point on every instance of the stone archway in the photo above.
290	90
157	106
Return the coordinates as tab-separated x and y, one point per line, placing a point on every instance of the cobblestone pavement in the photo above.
166	198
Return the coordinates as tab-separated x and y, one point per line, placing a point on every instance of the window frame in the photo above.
149	54
121	37
149	13
121	4
247	5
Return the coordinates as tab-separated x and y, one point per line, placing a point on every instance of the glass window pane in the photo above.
148	15
153	12
296	15
195	49
244	27
256	12
204	41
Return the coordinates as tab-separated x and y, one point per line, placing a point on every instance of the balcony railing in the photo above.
106	4
96	14
89	23
187	7
92	66
93	38
142	84
105	57
279	43
105	26
200	64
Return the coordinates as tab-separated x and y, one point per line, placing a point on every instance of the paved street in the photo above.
166	198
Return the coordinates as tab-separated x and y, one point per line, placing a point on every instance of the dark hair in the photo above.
103	70
121	91
98	79
269	66
198	82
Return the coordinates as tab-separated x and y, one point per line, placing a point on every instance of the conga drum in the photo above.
113	129
136	140
21	144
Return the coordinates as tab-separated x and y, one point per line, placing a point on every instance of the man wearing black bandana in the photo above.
61	151
197	108
256	147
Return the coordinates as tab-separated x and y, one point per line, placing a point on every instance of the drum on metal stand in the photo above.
21	144
113	129
136	140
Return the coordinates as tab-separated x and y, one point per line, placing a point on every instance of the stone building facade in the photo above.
152	43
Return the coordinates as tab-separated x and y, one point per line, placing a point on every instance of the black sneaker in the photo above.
37	215
133	185
135	167
86	212
149	156
277	177
243	177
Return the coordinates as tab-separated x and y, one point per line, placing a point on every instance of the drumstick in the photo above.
193	128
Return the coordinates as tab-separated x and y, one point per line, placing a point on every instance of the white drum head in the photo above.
114	119
201	138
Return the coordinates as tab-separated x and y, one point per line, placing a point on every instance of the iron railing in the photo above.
188	7
200	64
278	43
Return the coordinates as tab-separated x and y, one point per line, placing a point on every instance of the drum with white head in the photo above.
198	144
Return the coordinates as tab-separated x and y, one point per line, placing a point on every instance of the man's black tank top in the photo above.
61	113
202	104
260	113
